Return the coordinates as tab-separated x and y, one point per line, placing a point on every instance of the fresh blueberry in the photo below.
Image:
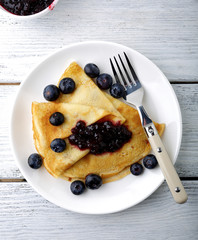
136	169
150	161
51	92
93	181
35	161
77	187
104	81
58	145
92	70
117	90
56	119
67	85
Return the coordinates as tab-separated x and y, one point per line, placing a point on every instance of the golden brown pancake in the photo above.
74	163
109	164
86	92
73	113
123	173
45	132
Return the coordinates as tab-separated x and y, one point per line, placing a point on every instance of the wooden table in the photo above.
164	31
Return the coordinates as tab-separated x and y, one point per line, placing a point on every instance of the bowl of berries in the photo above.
26	9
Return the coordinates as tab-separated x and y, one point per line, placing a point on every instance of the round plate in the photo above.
159	100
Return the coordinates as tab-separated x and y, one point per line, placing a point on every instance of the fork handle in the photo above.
166	165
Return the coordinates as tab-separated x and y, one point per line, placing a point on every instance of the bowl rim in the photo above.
33	16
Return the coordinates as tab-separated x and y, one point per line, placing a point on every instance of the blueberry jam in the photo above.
25	7
99	137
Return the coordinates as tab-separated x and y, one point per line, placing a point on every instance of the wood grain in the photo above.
26	215
187	161
165	31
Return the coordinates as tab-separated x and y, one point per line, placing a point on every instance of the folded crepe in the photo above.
90	104
113	166
87	92
45	132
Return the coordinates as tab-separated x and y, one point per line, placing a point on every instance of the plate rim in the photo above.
42	61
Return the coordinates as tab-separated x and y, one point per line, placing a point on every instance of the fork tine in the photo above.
135	77
121	74
114	72
129	79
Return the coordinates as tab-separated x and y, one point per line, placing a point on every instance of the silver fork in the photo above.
134	95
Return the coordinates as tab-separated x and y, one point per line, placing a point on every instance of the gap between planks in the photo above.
171	82
17	83
12	180
183	82
7	180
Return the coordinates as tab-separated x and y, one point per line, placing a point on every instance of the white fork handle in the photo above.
166	165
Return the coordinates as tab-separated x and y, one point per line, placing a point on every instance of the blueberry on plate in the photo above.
91	70
136	169
58	145
150	161
56	119
51	92
77	187
117	90
93	181
104	81
35	161
67	85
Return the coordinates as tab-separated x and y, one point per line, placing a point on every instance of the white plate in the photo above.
159	100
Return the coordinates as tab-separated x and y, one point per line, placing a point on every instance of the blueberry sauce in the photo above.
25	7
99	137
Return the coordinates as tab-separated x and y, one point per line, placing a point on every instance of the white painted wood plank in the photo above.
26	215
187	160
165	31
188	100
